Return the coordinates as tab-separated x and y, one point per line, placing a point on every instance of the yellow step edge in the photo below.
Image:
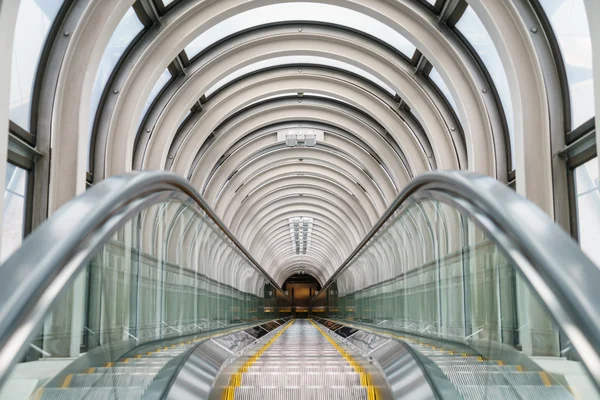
67	382
365	377
236	379
38	394
91	370
545	378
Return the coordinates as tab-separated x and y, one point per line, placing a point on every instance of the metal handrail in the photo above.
564	279
50	258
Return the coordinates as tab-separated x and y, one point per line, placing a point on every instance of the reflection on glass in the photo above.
13	218
129	27
588	208
433	278
158	86
473	30
301	12
33	23
570	24
166	279
294	60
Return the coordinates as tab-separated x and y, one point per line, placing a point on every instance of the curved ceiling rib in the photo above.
199	80
210	90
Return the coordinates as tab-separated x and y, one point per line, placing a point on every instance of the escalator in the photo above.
463	290
303	363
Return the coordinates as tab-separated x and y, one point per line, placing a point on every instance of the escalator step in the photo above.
322	379
302	368
477	368
300	393
131	369
515	392
111	380
495	378
89	393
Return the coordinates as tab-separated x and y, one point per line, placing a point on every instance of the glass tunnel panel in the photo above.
432	277
471	27
295	60
160	84
437	80
570	24
167	279
15	192
588	208
129	27
34	20
301	12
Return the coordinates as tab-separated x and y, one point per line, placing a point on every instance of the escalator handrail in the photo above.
51	257
560	274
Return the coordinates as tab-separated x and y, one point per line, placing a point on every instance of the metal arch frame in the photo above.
536	92
276	83
251	207
311	154
277	161
241	223
295	65
271	202
327	104
251	147
281	214
289	177
388	17
206	177
326	229
417	154
282	112
289	110
222	203
375	72
368	212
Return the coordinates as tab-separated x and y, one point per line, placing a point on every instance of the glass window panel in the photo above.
432	2
33	23
473	30
14	209
588	208
129	27
301	12
437	79
160	84
299	60
167	2
569	21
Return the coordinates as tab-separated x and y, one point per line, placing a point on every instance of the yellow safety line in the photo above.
236	379
545	378
67	381
91	370
38	394
365	378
